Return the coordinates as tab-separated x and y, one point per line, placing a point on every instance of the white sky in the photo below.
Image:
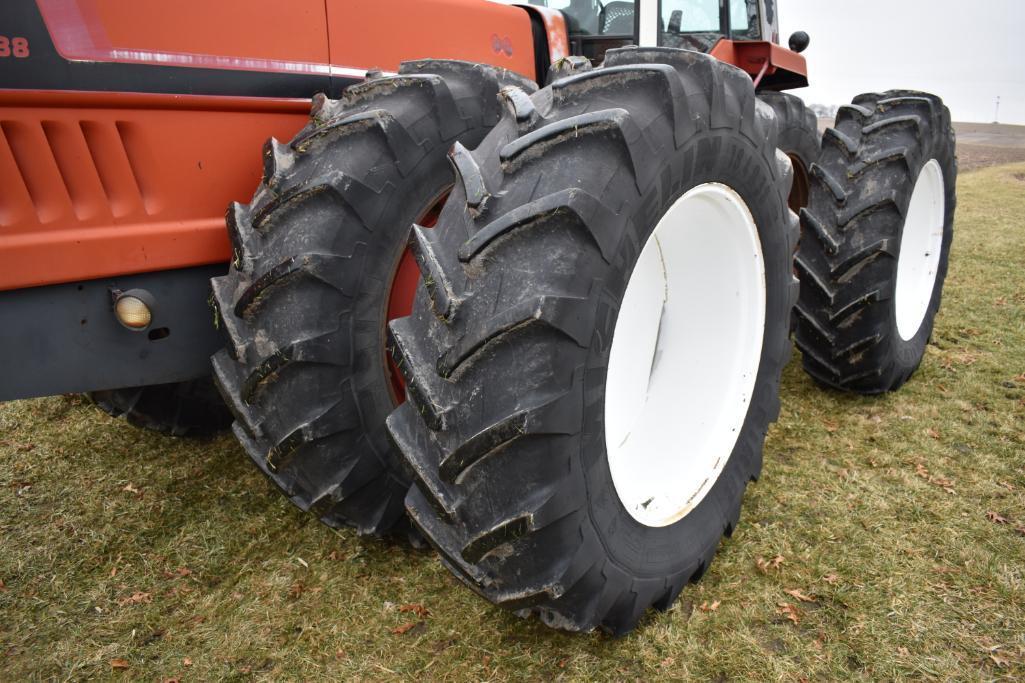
966	51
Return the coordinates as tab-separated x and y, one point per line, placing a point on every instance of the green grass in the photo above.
878	507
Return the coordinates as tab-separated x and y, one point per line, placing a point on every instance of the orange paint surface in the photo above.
294	30
382	34
750	55
96	185
555	29
103	184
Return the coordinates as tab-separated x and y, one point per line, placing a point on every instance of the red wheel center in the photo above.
403	290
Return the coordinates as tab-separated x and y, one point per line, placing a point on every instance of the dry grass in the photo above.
120	548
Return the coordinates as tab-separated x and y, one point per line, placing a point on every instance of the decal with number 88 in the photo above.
16	47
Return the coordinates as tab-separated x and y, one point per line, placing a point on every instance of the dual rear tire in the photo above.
593	358
319	268
548	432
875	241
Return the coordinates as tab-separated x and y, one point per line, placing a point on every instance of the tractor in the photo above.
522	285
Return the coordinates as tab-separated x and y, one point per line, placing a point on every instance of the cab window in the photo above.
744	23
698	25
690	24
594	18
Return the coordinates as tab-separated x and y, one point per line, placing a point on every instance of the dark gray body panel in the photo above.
64	338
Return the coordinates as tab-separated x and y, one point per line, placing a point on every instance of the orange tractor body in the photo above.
126	129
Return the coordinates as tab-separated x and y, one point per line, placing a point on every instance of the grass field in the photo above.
886	539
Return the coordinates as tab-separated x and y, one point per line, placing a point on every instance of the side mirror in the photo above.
799	41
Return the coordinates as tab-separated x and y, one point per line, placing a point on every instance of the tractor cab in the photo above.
742	32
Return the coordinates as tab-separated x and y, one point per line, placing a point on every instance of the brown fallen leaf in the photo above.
131	489
706	607
1006	485
3	587
996	517
796	592
944	483
788	611
186	662
1020	530
296	590
563	662
335	555
136	598
831	579
932	433
417	609
399	630
765	565
118	663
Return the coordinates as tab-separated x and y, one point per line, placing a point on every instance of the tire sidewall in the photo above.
662	551
907	354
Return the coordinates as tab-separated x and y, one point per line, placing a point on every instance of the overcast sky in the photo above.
966	51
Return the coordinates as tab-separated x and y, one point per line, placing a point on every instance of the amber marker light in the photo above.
133	310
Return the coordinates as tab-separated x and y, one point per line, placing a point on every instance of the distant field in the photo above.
988	144
885	540
980	145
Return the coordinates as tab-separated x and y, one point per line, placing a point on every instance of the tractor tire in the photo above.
192	408
798	138
875	241
317	253
507	352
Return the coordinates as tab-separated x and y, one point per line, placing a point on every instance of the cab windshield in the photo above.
692	24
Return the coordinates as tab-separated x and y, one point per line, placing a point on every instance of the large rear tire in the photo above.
627	182
318	264
191	408
875	241
798	138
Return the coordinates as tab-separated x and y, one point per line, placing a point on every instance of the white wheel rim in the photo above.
920	245
685	355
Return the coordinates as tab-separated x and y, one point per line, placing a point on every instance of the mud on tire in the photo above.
305	302
852	236
506	351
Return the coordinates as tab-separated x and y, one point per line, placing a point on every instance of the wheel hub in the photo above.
920	245
685	354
